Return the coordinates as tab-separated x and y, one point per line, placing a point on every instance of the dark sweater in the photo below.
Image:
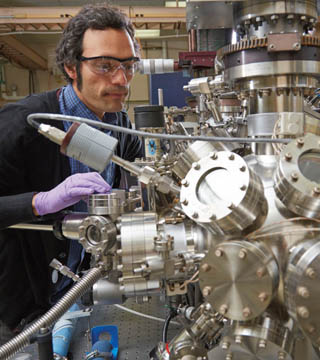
31	163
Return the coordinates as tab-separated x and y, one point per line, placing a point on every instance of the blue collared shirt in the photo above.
70	104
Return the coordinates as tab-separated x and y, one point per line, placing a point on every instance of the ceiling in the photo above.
21	18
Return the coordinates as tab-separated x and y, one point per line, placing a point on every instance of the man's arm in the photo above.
15	209
29	206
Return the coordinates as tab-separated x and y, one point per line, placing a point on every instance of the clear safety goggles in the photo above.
108	65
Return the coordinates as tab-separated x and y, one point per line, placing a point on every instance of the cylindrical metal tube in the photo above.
107	292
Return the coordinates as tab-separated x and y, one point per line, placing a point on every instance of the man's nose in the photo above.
119	77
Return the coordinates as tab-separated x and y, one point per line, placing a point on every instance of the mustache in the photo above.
117	90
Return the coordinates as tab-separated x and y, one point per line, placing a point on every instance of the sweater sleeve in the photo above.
15	209
15	201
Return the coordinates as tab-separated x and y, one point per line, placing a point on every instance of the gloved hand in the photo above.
73	189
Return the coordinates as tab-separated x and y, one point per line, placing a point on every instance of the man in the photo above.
98	55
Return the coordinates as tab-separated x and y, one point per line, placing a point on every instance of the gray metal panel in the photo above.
209	15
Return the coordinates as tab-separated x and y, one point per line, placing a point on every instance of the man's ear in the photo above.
71	71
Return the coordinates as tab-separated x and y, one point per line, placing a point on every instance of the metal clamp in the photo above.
96	353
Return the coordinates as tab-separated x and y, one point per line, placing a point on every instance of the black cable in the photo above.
172	314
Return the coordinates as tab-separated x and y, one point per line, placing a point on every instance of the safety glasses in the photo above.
109	65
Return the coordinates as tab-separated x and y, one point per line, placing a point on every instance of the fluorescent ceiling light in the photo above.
174	4
147	33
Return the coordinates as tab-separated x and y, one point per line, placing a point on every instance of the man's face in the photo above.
103	92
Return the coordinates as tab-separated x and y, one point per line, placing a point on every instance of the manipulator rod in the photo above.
96	149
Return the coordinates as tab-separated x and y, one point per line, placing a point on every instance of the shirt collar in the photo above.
73	106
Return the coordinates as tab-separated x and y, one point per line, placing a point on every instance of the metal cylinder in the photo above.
148	116
261	17
297	180
107	292
302	289
221	193
239	278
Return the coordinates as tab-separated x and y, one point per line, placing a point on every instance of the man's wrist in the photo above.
35	212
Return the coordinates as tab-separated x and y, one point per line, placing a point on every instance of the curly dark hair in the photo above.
96	17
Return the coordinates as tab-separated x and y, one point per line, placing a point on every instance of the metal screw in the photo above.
272	46
242	254
300	142
82	239
303	18
232	206
246	312
213	217
261	272
243	187
238	339
303	292
296	46
207	290
213	156
195	215
316	190
311	273
288	156
281	355
205	267
218	252
311	329
274	17
229	357
196	166
231	157
243	168
263	296
104	230
185	182
223	309
294	176
262	344
303	312
185	202
225	345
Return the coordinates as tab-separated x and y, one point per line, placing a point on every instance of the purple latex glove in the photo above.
73	189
